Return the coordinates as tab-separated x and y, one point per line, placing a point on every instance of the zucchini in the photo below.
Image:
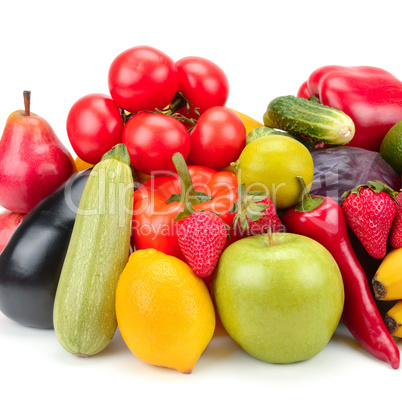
311	119
84	315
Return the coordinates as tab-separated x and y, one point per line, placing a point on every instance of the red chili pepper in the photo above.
159	200
321	218
371	96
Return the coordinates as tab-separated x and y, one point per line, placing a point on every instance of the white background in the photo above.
62	51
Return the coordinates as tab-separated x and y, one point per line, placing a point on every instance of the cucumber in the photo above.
84	315
259	132
311	119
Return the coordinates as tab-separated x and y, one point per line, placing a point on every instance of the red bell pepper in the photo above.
371	96
321	218
159	200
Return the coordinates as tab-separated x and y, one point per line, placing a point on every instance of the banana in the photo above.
393	320
387	281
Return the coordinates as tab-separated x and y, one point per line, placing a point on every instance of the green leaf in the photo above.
264	193
244	222
174	198
376	186
254	216
258	207
234	208
257	198
200	197
188	210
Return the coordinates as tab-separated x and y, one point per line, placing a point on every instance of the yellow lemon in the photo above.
164	311
271	164
249	124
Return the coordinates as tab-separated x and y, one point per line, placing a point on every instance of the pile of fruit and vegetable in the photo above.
180	219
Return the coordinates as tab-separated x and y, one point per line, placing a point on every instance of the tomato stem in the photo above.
177	103
187	188
27	102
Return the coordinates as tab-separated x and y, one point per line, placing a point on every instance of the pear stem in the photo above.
27	102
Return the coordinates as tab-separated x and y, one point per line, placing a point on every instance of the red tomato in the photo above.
94	125
218	138
142	78
202	83
152	139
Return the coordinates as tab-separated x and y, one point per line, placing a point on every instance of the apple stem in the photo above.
27	102
270	239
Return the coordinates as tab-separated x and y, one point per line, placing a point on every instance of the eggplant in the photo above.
31	262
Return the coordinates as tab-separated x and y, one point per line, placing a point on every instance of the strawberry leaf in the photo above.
376	186
254	216
243	222
257	207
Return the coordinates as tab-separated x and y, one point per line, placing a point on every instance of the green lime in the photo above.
391	147
271	164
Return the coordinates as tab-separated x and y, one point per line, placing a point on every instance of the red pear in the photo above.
33	161
8	223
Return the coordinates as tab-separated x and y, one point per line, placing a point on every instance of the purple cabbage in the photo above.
339	169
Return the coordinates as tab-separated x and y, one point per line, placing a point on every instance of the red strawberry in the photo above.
396	228
202	236
256	214
369	211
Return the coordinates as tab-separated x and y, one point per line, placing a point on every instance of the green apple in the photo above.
279	296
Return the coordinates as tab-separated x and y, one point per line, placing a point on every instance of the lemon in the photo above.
391	147
164	310
249	124
271	164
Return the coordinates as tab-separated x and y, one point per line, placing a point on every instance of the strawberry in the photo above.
202	237
396	228
369	211
256	213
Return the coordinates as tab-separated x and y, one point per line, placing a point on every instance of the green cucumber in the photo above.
84	315
259	132
311	119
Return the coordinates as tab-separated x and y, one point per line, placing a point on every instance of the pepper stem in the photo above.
186	184
308	202
27	102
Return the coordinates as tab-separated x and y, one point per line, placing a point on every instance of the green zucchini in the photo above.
84	315
311	119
